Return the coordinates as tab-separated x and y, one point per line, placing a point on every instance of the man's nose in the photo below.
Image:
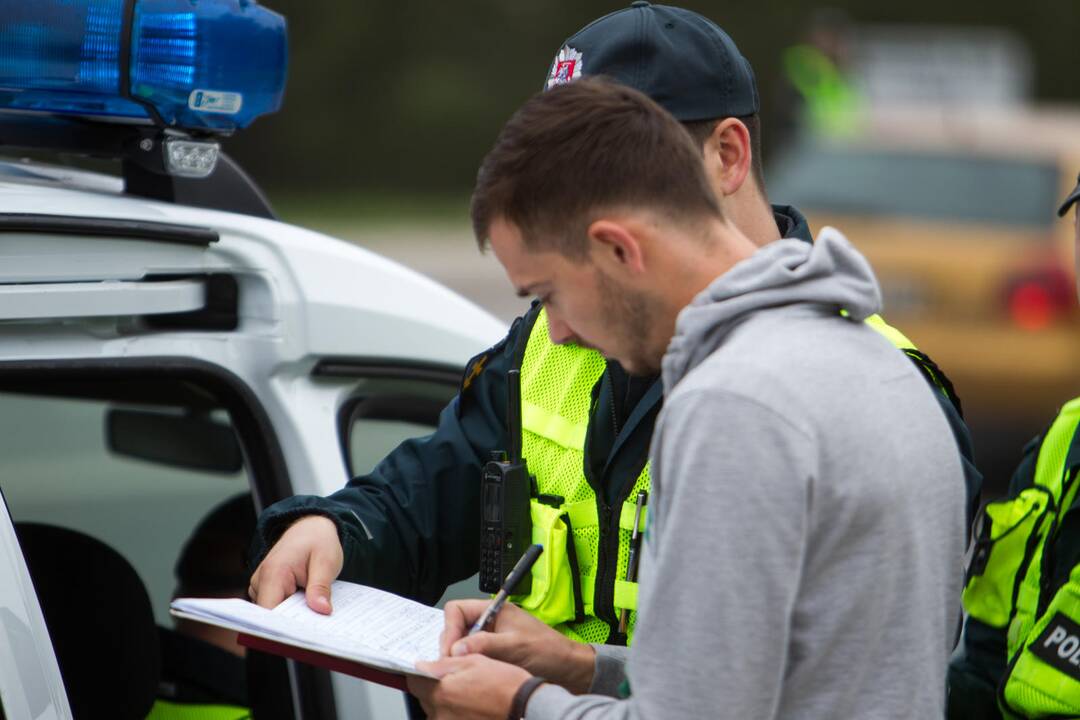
559	332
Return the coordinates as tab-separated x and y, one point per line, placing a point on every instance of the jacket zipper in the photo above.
608	517
604	593
608	550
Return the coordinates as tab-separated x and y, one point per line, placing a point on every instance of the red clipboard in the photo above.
328	662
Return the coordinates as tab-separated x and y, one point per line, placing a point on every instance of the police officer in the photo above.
1020	654
411	525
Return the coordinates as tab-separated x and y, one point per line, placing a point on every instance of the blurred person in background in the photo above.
819	98
203	673
1020	652
411	526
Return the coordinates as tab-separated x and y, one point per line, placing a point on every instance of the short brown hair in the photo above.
701	130
584	147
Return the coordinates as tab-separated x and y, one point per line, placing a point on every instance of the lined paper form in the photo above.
370	626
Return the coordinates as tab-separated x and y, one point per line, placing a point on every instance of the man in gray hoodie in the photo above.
806	529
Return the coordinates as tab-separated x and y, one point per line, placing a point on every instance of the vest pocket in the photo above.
1007	535
552	599
1044	681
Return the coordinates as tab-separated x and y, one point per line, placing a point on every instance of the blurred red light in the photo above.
1031	305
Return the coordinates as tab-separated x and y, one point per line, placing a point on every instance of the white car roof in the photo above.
332	297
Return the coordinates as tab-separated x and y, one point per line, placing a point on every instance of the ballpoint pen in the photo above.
522	566
632	561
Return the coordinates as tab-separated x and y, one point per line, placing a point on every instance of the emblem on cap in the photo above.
566	68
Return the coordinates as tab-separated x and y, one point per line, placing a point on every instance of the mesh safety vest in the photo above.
1008	585
586	542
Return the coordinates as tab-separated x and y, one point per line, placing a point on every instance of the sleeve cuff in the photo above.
609	670
277	518
549	701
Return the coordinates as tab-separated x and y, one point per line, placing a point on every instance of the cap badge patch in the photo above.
566	68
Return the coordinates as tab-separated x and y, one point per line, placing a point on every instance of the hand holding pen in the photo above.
523	566
516	637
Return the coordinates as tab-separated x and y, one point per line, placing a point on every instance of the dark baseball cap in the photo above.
680	59
1073	197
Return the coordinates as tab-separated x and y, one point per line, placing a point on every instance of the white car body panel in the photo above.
30	680
303	297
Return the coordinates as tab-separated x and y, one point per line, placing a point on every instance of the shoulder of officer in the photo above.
1024	476
503	355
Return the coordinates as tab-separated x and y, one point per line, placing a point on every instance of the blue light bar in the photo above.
212	65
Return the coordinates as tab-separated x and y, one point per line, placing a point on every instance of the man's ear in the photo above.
616	247
728	156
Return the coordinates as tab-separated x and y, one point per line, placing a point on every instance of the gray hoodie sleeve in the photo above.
721	568
609	670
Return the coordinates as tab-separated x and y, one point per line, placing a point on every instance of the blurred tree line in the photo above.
404	97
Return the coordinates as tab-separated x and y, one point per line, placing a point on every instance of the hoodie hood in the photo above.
829	273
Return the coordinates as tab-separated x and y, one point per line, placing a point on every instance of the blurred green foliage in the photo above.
403	97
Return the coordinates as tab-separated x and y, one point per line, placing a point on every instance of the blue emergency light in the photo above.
197	65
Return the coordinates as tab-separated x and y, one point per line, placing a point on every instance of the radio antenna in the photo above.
513	414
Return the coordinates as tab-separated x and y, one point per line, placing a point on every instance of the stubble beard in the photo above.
632	317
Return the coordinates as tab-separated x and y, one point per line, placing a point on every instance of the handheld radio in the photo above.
505	489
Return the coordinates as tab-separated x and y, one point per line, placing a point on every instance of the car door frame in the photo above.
311	688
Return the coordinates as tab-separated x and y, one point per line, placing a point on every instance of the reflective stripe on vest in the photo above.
1043	638
1049	475
168	710
556	394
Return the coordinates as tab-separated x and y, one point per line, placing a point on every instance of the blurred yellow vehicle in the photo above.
955	210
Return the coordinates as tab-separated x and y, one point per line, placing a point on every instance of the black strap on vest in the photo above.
575	570
936	376
521	343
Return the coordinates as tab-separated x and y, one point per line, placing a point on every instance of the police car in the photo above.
166	344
